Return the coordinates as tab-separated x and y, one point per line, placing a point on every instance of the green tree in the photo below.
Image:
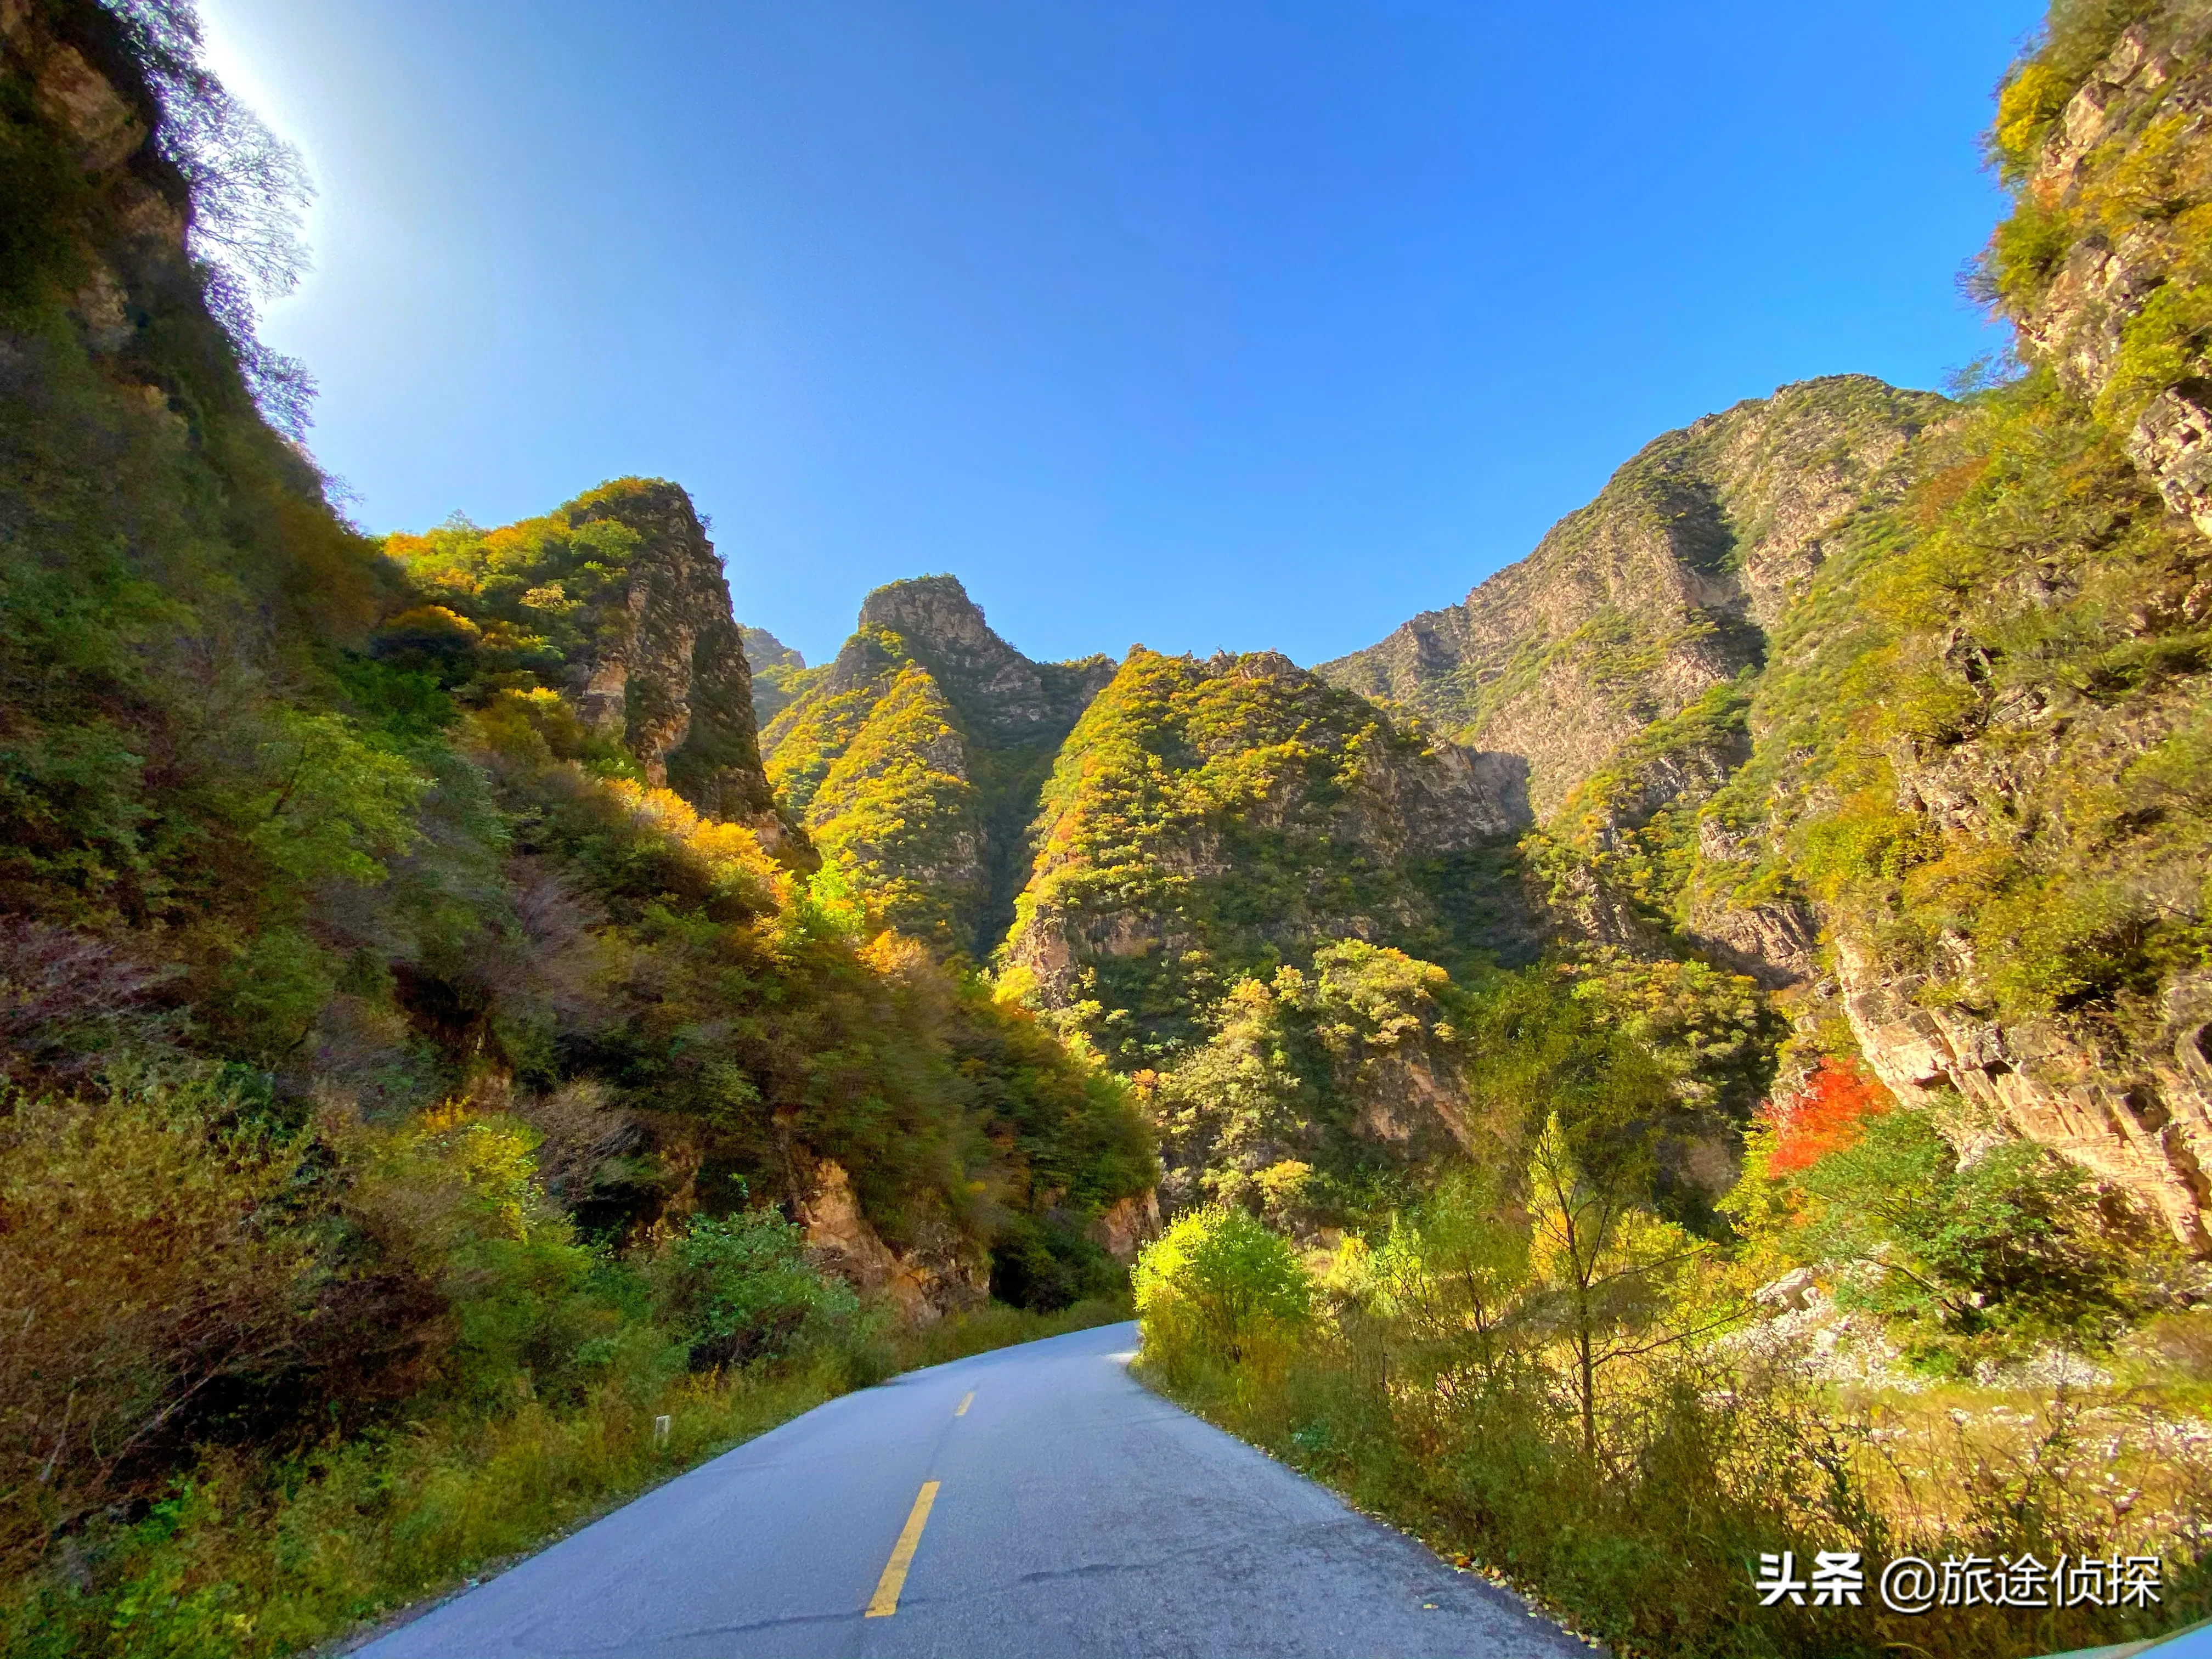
2003	1246
1599	1257
739	1287
1453	1268
1217	1286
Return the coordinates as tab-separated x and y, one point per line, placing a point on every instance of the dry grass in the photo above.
1706	1461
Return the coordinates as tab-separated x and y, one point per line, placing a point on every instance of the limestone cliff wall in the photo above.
2138	1115
2122	178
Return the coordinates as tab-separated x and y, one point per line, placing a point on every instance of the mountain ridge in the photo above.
1686	555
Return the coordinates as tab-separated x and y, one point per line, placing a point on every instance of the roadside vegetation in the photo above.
418	1088
1898	1348
257	1455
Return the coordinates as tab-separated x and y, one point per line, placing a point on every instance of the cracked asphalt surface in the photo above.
1077	1514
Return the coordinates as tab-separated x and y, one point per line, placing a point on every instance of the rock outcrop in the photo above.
134	206
942	1275
1127	1225
2115	181
668	675
2139	1117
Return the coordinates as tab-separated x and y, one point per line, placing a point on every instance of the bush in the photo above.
2004	1247
1448	1389
1219	1288
151	1269
739	1288
1044	1267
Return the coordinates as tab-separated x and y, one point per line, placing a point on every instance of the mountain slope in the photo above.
914	759
1210	819
468	822
1633	607
1900	707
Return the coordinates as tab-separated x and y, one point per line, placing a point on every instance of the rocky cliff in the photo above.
670	674
777	671
2062	986
617	601
1661	589
2105	262
1900	707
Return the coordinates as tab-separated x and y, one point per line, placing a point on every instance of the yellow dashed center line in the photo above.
966	1400
885	1602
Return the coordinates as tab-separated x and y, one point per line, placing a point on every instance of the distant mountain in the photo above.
1662	588
764	650
777	671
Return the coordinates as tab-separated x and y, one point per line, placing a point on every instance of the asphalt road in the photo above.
1069	1512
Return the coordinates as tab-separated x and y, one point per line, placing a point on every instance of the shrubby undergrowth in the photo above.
264	1380
1917	1339
1706	1461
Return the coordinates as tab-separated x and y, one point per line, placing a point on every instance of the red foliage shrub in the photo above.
1827	1116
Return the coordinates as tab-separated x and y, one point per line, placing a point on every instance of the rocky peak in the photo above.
936	615
914	759
670	676
764	651
995	688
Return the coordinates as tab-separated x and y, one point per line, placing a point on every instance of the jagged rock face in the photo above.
131	220
1769	723
1632	607
670	677
1126	1226
940	1275
1211	817
2139	1117
778	674
2120	178
914	758
763	650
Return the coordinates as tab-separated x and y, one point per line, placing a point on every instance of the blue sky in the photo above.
1209	323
